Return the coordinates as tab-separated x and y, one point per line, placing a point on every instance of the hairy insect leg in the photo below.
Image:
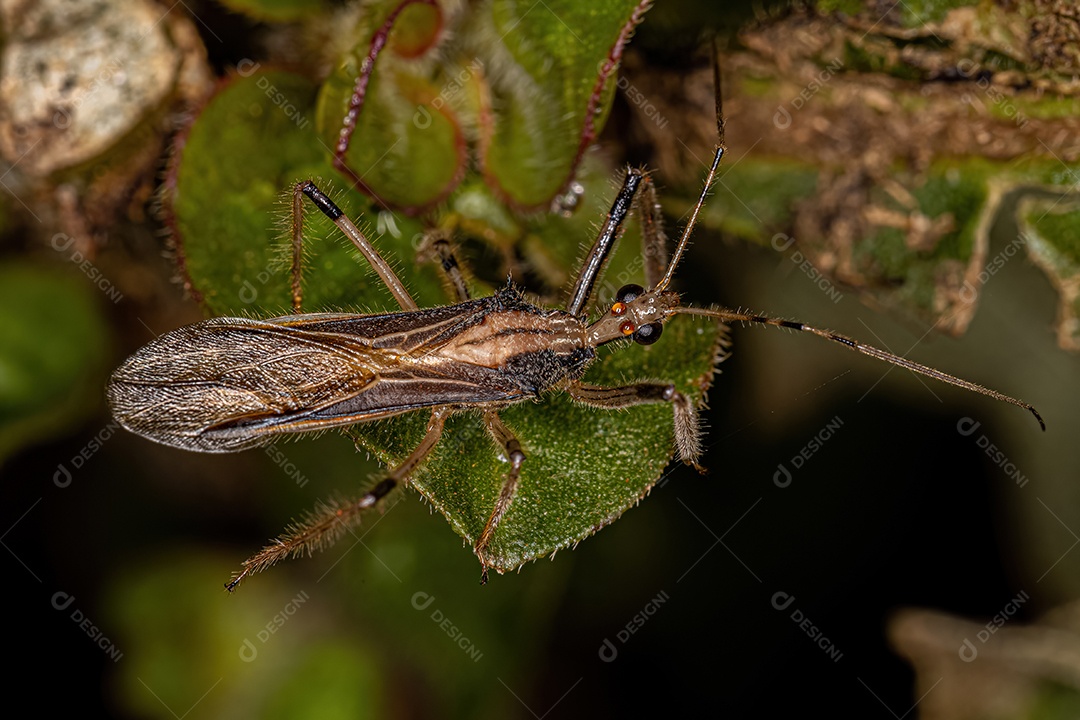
653	238
687	427
330	520
512	447
658	272
297	230
381	267
436	242
605	241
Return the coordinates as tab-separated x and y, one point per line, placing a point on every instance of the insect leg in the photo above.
330	520
436	241
297	228
653	238
332	211
687	428
657	275
512	447
605	241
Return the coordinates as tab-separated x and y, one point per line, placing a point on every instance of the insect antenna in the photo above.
725	315
684	239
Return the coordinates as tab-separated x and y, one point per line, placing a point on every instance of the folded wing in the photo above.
228	384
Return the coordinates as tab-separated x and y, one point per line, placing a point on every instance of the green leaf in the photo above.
553	89
403	140
584	467
537	89
231	207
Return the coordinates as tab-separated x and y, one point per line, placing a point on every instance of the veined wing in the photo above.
228	384
412	331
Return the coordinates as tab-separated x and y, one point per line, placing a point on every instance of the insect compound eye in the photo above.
628	292
648	334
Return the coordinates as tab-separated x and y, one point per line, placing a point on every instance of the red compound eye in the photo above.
618	309
627	328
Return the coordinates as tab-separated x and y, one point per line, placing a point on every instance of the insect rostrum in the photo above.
227	384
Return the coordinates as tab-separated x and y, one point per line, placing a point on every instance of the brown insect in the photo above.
228	384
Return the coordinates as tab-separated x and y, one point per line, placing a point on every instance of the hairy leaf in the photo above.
392	119
553	80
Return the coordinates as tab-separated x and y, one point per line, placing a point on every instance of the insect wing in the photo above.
217	385
229	384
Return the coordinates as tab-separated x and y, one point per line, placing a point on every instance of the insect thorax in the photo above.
531	347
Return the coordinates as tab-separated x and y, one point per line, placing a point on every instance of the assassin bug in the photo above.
229	384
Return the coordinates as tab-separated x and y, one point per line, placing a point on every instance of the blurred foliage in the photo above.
558	106
52	353
755	197
367	634
1022	671
401	109
1052	238
888	141
195	632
